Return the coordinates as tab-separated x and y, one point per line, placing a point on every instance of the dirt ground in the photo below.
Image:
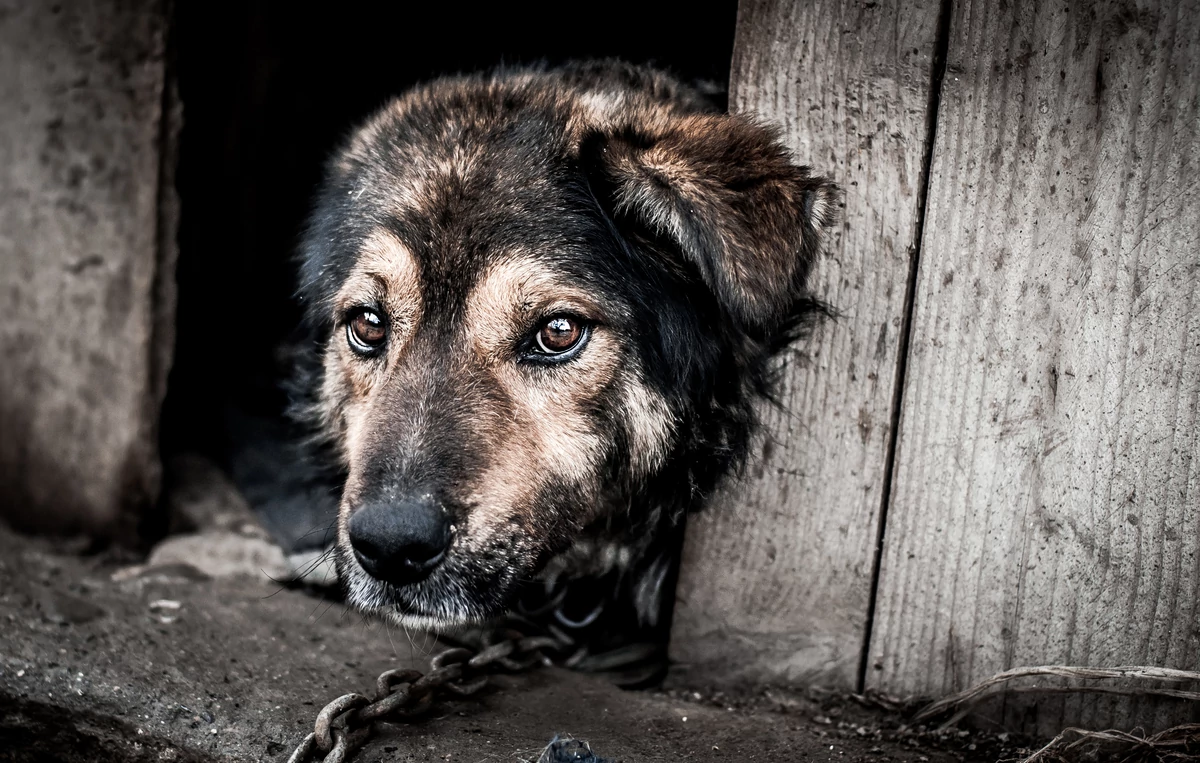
170	665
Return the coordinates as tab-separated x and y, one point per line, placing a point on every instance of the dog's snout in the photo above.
400	542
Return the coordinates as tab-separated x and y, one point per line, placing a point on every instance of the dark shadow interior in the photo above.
268	89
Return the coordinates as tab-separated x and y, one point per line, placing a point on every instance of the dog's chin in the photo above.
442	603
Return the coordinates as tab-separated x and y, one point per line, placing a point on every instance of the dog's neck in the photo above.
610	596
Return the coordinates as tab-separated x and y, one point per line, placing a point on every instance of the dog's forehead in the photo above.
482	276
474	225
466	179
448	166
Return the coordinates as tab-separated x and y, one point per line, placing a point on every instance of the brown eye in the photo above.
559	335
366	332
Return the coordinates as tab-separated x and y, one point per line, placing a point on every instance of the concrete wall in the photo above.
86	261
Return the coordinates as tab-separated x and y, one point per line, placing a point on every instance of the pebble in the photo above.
222	554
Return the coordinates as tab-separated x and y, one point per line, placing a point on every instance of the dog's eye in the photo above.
366	332
559	335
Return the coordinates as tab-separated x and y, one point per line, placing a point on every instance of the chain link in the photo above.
349	722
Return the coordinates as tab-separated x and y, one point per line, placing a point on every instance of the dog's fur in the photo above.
466	213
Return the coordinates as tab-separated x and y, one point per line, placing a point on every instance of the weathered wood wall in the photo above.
86	243
849	86
1045	487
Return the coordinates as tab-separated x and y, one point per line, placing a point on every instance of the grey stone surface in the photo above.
215	531
222	554
86	260
165	664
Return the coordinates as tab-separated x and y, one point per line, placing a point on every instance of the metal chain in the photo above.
348	722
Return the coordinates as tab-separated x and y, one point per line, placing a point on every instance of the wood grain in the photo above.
85	271
777	572
1046	504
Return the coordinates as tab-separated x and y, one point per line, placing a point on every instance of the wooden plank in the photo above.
777	574
1046	506
85	262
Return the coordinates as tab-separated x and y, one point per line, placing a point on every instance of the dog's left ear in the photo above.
725	192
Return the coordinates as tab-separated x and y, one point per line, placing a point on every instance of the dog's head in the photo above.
542	302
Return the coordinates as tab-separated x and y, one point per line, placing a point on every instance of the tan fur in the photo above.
541	428
677	179
546	430
648	424
610	111
385	275
415	189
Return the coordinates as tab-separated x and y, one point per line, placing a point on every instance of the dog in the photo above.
541	304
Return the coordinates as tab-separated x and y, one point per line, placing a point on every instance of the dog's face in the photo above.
530	294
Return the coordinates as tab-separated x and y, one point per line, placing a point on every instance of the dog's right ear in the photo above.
725	193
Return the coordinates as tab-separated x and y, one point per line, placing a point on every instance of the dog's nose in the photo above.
400	542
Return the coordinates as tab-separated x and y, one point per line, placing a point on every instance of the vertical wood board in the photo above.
777	571
1046	504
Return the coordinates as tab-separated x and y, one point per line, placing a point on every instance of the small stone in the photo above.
162	573
222	554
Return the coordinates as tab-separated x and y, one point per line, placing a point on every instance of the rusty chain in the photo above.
348	722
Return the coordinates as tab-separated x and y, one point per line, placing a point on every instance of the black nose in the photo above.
400	542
